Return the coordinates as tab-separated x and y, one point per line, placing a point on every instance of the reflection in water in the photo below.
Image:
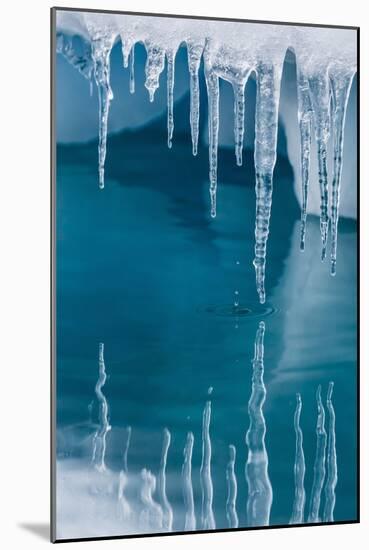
299	470
126	449
330	487
167	509
151	516
260	495
99	440
319	465
190	518
207	516
140	503
231	511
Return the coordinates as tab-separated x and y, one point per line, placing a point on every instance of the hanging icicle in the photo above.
340	86
194	54
266	128
170	88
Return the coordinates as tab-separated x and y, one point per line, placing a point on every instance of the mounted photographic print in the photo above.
204	274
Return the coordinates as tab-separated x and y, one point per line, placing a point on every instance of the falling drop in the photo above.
207	516
319	464
170	89
341	86
132	70
260	493
330	487
266	127
190	518
239	119
236	299
166	507
299	468
231	511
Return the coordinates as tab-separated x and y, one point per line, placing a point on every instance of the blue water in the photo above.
142	267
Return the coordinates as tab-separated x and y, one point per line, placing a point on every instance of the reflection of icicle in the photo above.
260	493
300	495
101	48
320	99
319	464
190	519
304	118
99	440
239	119
266	126
132	71
153	68
194	53
166	507
125	454
231	511
124	509
170	89
83	63
330	487
207	516
340	90
151	516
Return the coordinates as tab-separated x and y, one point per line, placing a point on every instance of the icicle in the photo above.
239	119
231	511
190	519
330	486
153	68
125	454
166	507
99	440
151	516
170	88
299	469
320	99
124	509
194	54
341	86
260	493
207	516
212	84
127	47
305	122
266	127
132	70
319	464
101	48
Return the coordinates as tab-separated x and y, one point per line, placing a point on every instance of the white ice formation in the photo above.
326	65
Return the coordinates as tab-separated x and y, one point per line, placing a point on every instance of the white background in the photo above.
24	269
